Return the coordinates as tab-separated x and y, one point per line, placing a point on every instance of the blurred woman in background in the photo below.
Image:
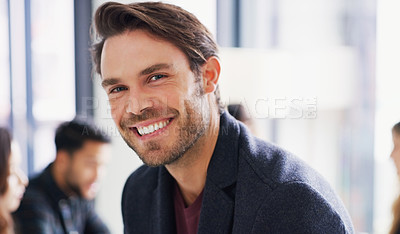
396	159
12	181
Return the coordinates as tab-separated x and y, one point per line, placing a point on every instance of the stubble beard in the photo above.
190	128
72	186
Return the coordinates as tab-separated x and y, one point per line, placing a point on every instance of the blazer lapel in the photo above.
217	209
216	212
162	208
219	193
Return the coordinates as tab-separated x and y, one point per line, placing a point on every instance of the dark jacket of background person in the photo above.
46	209
251	187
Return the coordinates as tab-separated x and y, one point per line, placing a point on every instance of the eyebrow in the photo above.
154	68
110	81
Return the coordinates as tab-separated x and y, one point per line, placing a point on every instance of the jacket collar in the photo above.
219	193
50	184
222	170
63	202
217	200
162	207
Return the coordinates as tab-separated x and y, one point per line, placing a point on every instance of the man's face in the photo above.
86	167
155	100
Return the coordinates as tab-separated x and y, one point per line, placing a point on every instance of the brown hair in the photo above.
396	128
396	204
5	143
169	22
5	151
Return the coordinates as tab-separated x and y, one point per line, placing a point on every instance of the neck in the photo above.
59	173
190	173
6	222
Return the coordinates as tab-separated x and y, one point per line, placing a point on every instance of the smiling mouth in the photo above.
151	128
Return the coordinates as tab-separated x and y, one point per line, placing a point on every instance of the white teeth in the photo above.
152	127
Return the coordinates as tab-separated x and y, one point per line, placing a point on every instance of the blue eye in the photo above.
157	77
117	89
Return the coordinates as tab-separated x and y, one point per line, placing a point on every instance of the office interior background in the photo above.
319	77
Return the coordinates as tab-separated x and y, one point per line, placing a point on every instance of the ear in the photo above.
62	158
211	71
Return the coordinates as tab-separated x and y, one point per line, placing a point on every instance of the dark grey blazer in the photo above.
251	187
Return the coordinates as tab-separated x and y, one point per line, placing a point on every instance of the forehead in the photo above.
135	50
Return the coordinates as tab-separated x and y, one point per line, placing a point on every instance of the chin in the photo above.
89	195
13	206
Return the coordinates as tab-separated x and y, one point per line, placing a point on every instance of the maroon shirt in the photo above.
187	218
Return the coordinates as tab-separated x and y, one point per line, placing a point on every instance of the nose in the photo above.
138	102
22	178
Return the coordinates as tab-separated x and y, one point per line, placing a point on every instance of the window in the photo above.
5	104
39	92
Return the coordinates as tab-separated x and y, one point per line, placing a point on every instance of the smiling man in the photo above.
203	172
60	199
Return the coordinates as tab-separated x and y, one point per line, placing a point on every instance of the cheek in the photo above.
89	174
178	100
117	109
10	196
115	114
77	174
396	155
13	184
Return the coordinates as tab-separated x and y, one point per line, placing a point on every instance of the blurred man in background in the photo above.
239	112
60	199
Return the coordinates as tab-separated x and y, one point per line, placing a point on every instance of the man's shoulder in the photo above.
142	181
36	198
273	164
275	167
279	174
41	193
36	189
299	206
140	186
143	175
36	208
259	160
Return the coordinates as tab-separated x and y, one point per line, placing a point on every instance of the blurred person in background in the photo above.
61	198
204	172
12	181
395	155
239	112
